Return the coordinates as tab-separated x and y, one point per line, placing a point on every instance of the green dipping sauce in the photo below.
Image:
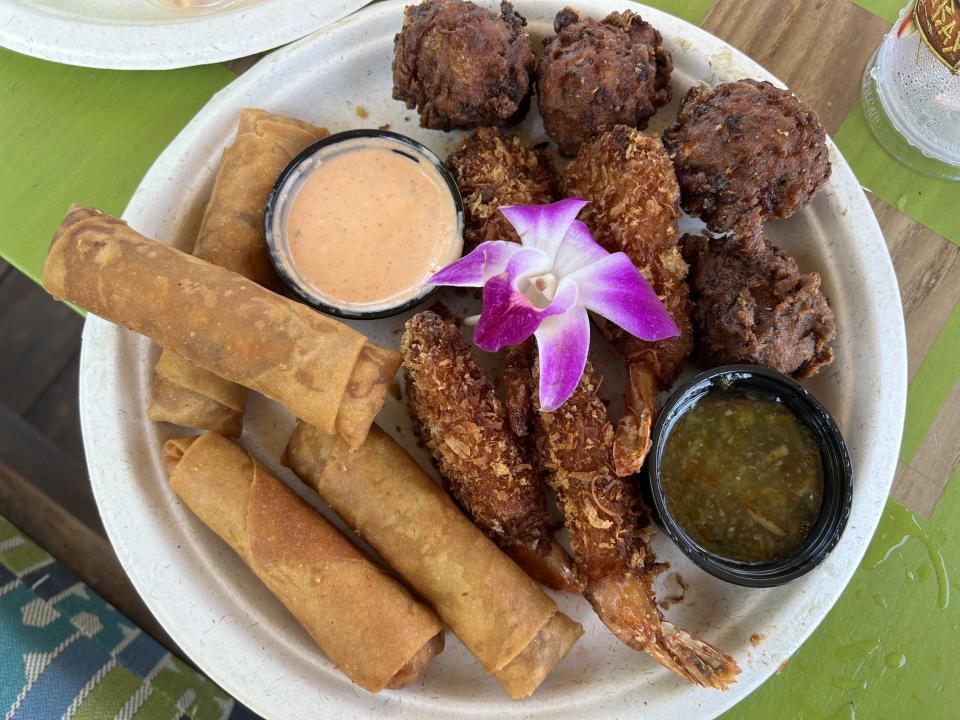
742	476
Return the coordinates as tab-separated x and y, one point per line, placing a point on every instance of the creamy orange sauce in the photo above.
367	226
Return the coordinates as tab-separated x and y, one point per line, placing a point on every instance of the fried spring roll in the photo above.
231	236
502	617
319	369
231	233
362	619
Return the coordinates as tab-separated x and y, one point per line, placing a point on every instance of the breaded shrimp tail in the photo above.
572	449
464	424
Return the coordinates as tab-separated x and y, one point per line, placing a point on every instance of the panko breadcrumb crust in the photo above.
462	421
494	171
634	207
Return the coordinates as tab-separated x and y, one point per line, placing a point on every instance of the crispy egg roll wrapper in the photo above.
231	236
365	621
173	403
508	623
220	321
231	232
369	384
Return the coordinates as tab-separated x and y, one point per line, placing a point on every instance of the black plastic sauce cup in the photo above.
282	194
837	474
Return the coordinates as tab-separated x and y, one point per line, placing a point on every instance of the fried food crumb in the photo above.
394	390
493	171
361	111
756	639
670	600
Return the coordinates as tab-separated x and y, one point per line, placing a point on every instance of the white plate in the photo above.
231	627
154	34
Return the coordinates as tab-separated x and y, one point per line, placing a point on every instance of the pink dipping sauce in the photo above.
367	226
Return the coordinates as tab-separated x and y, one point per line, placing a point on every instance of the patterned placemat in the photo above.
68	654
886	648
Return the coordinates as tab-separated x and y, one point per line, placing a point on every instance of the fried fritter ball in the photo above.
746	151
461	65
594	75
493	171
753	305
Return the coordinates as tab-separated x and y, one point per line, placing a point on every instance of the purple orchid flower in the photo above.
544	287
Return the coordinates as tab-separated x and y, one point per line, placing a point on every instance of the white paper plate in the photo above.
230	625
154	34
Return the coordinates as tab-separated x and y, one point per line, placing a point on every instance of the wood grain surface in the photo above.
819	48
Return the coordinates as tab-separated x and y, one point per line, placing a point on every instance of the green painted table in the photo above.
889	647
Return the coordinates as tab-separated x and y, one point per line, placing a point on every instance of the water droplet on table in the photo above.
857	650
842	683
895	660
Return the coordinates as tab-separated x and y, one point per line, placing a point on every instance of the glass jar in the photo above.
911	89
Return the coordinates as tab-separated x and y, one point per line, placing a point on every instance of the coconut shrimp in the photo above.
609	525
634	207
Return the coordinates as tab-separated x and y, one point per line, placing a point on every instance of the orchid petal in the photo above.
563	342
474	269
508	316
543	226
612	287
577	250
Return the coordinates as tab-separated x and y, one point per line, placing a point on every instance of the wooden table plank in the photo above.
819	49
928	270
56	413
26	452
87	553
40	336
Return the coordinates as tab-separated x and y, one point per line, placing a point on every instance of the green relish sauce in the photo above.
742	476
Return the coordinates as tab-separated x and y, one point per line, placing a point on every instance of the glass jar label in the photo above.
939	24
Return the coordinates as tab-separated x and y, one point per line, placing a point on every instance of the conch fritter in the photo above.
461	65
753	305
746	152
594	75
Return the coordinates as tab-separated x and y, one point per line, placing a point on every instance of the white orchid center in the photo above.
541	289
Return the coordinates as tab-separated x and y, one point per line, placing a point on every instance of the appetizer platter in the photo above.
524	439
159	34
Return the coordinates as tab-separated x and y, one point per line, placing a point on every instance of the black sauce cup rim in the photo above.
837	475
294	283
